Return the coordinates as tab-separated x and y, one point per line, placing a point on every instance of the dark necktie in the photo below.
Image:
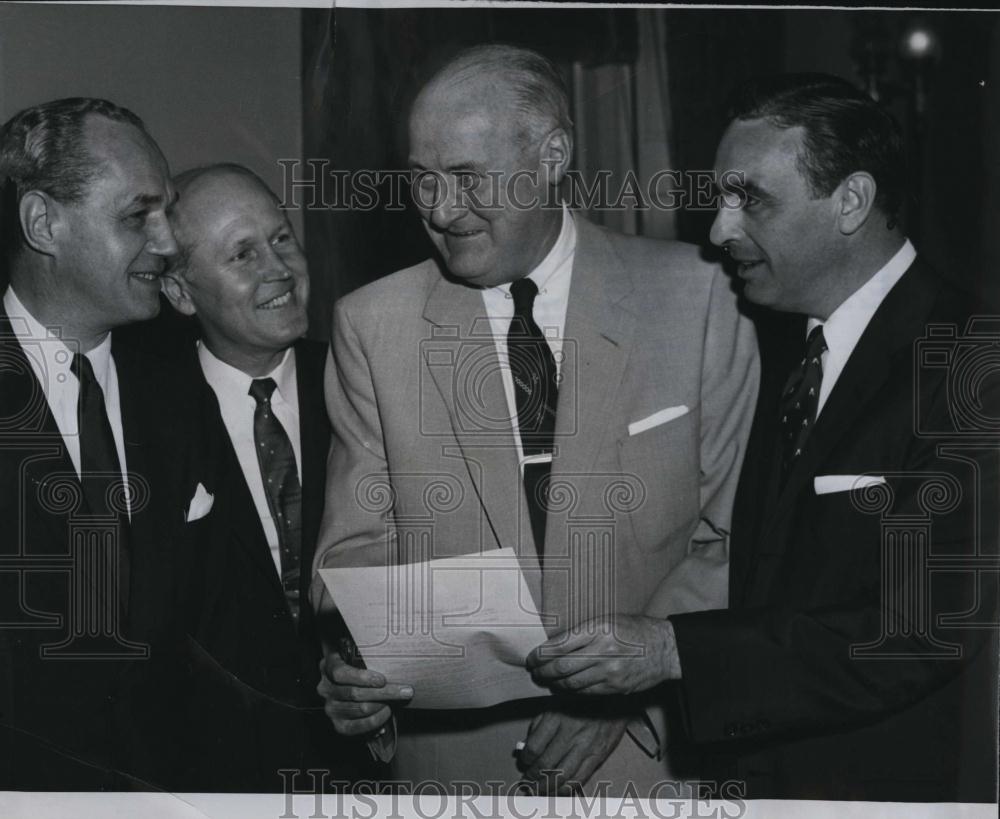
800	399
533	371
100	468
281	486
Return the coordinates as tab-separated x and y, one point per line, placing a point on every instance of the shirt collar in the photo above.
561	250
845	325
29	331
228	380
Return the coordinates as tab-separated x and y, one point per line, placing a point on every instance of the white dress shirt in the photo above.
552	277
232	388
844	327
51	361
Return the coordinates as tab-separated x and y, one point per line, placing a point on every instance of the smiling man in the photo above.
857	658
97	466
533	356
259	384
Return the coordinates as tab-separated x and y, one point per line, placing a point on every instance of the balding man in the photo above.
259	383
101	488
534	356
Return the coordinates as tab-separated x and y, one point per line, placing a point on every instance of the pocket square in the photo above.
200	505
828	484
657	418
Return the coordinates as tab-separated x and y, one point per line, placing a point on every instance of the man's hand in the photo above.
570	747
356	698
596	658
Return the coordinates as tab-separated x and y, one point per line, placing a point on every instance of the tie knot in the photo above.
82	368
816	343
523	291
261	389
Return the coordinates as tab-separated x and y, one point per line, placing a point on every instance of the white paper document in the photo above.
457	629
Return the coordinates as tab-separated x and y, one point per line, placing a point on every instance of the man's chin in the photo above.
473	275
758	292
147	308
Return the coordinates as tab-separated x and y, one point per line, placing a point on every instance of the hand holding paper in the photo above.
619	655
457	630
356	699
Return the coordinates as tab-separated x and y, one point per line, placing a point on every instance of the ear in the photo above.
175	288
857	199
41	221
555	155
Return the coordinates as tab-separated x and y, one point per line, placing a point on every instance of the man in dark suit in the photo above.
100	484
857	659
259	386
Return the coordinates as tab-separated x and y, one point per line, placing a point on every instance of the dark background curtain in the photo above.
636	74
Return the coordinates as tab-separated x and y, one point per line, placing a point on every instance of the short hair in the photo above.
42	148
183	181
845	131
537	89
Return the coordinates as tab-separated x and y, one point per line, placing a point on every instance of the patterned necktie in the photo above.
100	468
281	486
800	399
533	371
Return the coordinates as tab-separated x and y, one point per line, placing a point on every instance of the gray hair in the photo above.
537	89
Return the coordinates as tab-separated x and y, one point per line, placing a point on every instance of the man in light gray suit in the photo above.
584	396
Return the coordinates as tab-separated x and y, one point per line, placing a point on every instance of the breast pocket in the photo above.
664	461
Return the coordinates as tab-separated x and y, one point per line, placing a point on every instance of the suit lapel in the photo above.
897	322
144	528
25	412
478	410
780	336
597	343
314	436
247	530
598	338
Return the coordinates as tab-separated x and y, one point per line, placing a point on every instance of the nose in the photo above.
161	241
725	227
449	203
276	266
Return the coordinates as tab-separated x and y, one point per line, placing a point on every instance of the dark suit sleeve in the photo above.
773	670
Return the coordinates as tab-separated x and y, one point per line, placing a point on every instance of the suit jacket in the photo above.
857	660
247	627
423	454
84	722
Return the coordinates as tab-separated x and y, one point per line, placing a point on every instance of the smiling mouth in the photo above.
462	234
746	267
146	275
277	302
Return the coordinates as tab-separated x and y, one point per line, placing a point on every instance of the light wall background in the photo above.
211	84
